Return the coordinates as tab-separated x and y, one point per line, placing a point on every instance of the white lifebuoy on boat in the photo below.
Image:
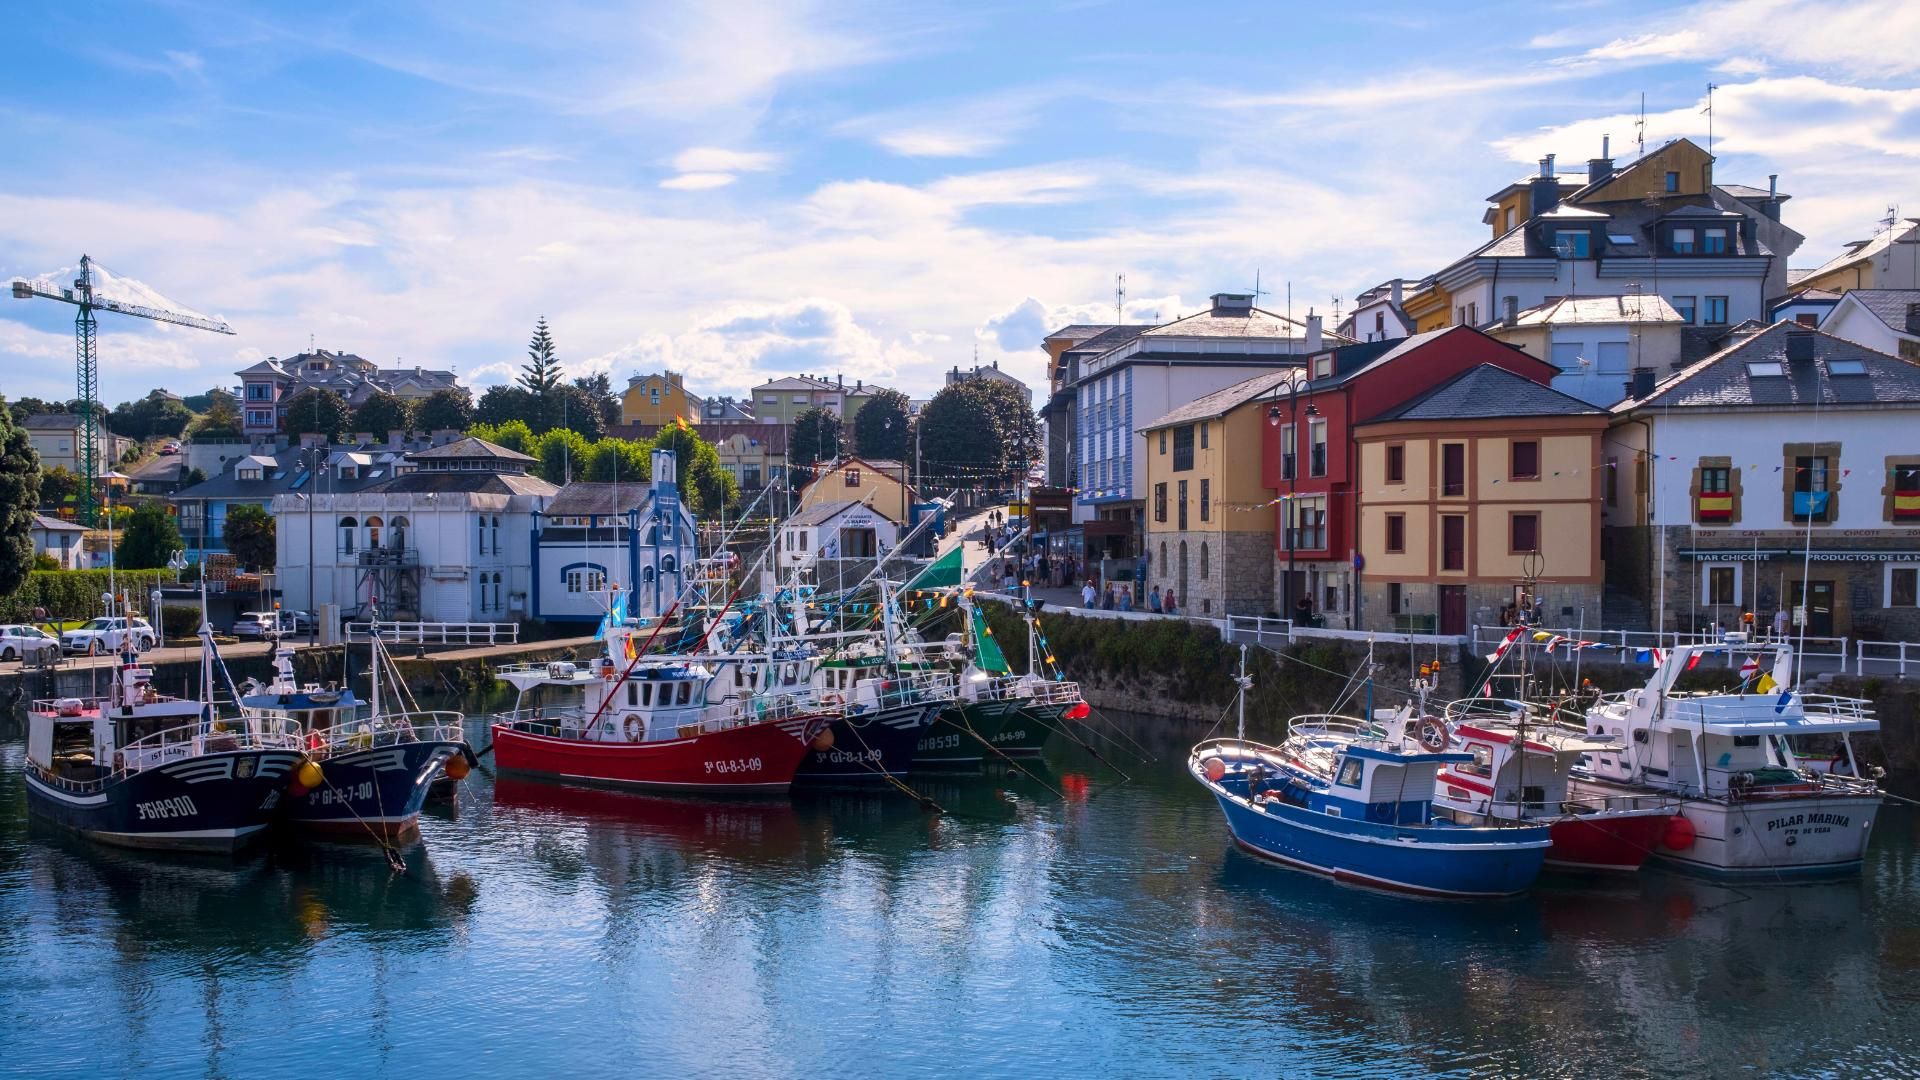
633	728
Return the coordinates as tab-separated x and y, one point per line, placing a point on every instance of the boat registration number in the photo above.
940	742
734	765
161	809
351	793
847	757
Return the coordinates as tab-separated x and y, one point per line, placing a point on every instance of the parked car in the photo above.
107	634
170	448
259	624
18	641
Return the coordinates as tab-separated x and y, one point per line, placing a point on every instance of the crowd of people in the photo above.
1051	571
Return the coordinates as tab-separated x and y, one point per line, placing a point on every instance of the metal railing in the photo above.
388	729
1259	630
1885	655
437	633
167	747
1812	647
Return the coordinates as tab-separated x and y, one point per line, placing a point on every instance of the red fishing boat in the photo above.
1520	771
650	724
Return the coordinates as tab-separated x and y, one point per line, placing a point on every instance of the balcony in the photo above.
1810	505
1307	539
387	556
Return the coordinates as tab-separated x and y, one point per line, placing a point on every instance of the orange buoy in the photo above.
456	767
1679	835
1215	769
824	740
1079	711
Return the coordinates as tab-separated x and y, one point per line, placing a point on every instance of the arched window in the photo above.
496	535
668	565
397	533
374	525
646	574
1163	558
1203	560
347	528
483	534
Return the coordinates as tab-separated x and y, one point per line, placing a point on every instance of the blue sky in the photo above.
748	189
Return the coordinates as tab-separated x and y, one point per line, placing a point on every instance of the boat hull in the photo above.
1283	834
752	758
1767	838
1619	842
376	793
868	748
214	802
1025	732
950	741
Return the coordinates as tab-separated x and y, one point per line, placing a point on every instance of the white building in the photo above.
1885	320
55	437
595	538
1379	313
448	539
1792	449
60	541
836	530
1597	341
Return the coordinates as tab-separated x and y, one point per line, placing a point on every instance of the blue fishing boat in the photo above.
1354	800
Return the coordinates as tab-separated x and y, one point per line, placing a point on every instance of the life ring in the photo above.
1433	734
633	728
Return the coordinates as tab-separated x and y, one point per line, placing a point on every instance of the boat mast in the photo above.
1240	732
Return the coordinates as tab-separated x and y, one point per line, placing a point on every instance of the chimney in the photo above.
842	380
1313	333
1228	305
396	437
1598	169
1510	311
1543	192
1396	294
1772	206
312	439
1642	383
1913	318
1800	346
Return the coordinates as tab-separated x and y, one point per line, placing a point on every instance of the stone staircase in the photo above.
1620	610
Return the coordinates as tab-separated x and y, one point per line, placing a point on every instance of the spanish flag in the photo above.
681	423
1716	507
1906	503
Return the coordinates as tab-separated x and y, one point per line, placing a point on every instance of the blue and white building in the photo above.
1155	371
594	541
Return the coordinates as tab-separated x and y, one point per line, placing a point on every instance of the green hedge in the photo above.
75	594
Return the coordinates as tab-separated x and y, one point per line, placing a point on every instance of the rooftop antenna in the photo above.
1289	305
1119	298
1711	87
1640	129
1336	311
1258	292
1887	223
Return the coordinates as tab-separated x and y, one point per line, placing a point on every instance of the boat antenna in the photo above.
1244	683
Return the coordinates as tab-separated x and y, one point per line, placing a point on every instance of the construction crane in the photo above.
88	358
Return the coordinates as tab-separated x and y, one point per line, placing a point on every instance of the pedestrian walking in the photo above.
1087	594
1106	598
1153	600
1126	598
1172	605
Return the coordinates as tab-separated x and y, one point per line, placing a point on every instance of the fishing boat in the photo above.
1765	776
649	723
1521	770
1046	704
883	714
1353	800
138	768
374	771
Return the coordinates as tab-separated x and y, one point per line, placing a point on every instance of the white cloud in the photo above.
492	375
971	128
1863	38
720	159
697	181
1742	66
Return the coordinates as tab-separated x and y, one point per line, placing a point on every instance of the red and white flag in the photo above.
1507	643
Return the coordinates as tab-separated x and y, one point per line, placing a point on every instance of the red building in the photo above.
1310	458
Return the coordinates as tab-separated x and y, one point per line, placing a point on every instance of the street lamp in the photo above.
159	623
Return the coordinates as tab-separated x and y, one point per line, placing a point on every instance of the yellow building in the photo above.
655	400
877	483
1471	489
1209	525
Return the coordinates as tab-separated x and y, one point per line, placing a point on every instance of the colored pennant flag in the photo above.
1694	661
1505	644
1785	699
1655	657
1765	685
1749	668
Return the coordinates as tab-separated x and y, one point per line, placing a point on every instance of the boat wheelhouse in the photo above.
1765	775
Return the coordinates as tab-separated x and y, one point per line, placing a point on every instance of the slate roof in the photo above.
1486	392
494	483
584	499
1110	338
54	524
1858	250
471	447
1887	305
1079	331
1220	402
1600	311
51	422
1261	323
1723	379
1749	193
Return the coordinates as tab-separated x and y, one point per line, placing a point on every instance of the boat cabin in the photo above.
134	727
1357	774
1502	779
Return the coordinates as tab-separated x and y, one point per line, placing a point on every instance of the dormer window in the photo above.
255	473
1323	366
1573	243
1714	241
1682	242
349	472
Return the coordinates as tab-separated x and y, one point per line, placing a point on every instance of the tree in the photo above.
624	460
150	417
705	483
599	389
317	412
505	404
445	410
514	435
880	427
58	486
19	495
383	412
194	476
542	371
815	438
977	432
249	534
221	421
33	406
563	455
568	406
149	539
199	403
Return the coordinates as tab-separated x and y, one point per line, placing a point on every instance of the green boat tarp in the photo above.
941	573
992	660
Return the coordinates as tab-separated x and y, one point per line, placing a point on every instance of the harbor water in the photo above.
1064	924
